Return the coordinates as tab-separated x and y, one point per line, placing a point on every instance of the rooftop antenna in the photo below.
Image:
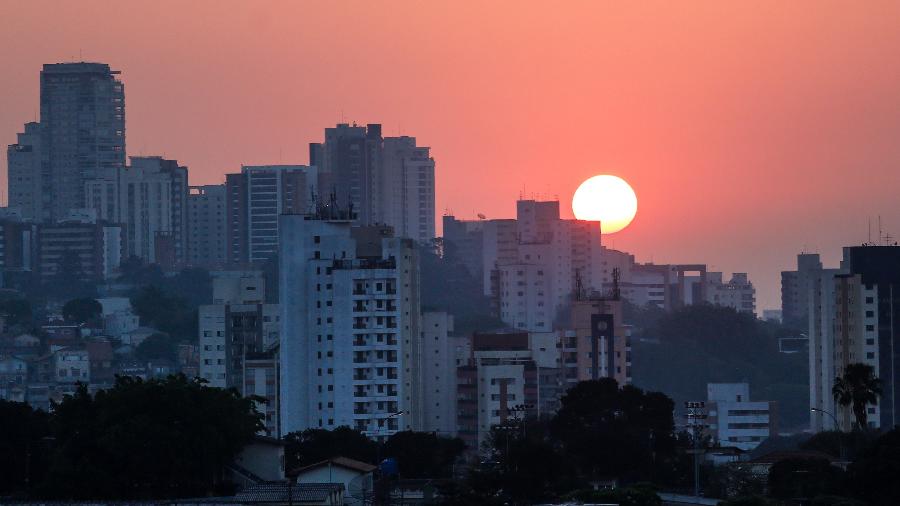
880	232
869	234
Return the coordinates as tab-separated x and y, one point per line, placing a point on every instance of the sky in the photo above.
749	131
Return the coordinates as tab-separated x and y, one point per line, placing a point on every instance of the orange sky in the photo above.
749	131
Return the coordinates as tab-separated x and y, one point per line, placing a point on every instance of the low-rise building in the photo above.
736	421
72	366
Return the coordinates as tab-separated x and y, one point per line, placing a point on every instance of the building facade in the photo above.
407	189
82	139
24	173
154	194
350	327
255	198
736	421
207	246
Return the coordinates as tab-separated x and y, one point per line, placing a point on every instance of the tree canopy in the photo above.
678	353
160	438
82	310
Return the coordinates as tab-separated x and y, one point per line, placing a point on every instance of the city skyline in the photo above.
707	109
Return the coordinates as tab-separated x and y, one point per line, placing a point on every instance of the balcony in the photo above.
359	326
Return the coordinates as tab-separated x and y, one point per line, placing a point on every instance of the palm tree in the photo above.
856	388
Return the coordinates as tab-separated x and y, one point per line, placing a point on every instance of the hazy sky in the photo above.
749	131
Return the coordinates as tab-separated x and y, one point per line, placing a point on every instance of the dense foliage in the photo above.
678	353
137	440
601	432
446	285
418	454
81	310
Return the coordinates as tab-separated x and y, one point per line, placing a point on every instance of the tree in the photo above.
874	474
525	463
23	437
423	454
857	388
161	438
615	432
170	314
155	347
805	478
81	310
315	445
16	311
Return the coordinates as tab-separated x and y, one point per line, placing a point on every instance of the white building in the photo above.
71	366
350	327
736	421
439	360
238	325
118	316
738	293
407	189
554	258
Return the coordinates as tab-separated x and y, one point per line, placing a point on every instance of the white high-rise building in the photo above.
350	327
439	360
407	189
555	258
237	325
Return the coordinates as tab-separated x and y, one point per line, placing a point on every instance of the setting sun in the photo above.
607	199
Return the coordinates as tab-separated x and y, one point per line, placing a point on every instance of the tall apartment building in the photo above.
735	420
351	156
795	288
407	189
822	301
237	325
93	249
255	198
500	381
878	268
851	315
350	326
82	139
439	354
207	245
594	342
154	194
386	180
24	173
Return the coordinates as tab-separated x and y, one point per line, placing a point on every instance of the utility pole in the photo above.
696	415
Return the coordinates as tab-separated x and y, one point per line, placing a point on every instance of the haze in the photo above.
748	132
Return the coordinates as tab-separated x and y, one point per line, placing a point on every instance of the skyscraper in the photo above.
407	189
82	139
351	156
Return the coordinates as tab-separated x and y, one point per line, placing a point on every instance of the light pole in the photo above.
837	425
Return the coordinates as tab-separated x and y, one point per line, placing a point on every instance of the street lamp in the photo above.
837	427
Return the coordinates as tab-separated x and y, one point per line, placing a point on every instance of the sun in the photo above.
607	199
